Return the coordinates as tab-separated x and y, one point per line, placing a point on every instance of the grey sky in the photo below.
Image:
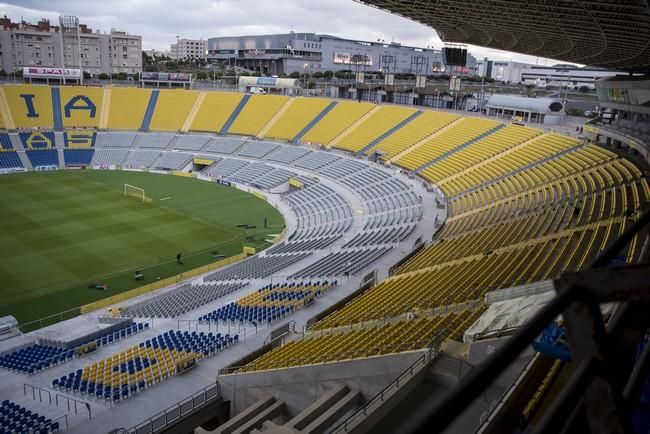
160	21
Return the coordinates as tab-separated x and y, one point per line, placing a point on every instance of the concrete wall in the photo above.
299	387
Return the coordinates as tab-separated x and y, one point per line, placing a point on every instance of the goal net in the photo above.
132	190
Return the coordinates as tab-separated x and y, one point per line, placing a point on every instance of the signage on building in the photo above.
37	72
257	52
164	76
354	59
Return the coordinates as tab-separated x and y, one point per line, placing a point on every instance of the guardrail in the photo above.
177	411
71	403
394	385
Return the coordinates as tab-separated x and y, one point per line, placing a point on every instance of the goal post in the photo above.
132	190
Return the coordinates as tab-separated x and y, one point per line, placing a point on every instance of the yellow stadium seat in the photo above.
298	115
128	106
339	119
172	108
30	106
257	112
215	111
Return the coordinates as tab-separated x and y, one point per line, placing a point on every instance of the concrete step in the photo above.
273	411
334	413
242	418
319	407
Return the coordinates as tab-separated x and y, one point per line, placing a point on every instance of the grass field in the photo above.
61	231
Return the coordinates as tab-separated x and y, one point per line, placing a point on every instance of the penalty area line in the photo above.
165	198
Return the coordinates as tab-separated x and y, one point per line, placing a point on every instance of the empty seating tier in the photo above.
298	115
172	108
256	114
215	111
378	123
339	119
127	109
30	106
424	125
459	134
315	348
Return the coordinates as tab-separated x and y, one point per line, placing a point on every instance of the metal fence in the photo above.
178	411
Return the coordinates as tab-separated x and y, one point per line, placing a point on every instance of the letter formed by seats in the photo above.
79	139
79	102
37	140
29	104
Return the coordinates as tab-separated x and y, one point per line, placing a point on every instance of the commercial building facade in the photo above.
562	75
42	45
310	52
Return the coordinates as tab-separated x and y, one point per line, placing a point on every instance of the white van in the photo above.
257	90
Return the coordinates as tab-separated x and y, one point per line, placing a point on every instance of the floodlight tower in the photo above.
70	37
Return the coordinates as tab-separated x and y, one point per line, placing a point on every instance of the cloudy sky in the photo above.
160	21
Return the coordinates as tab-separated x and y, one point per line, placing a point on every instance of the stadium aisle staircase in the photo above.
195	110
310	125
301	113
276	117
215	111
105	110
151	107
56	108
374	124
235	114
5	112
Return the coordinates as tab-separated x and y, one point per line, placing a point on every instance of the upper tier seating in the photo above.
419	128
215	111
256	114
30	105
339	119
172	108
458	134
298	115
127	109
380	121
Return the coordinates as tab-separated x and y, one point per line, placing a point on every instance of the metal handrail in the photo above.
423	360
176	410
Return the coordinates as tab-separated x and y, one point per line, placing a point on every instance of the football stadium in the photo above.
210	261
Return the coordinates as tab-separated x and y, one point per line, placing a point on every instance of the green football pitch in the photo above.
62	231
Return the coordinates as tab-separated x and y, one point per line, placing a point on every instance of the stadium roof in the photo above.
613	34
